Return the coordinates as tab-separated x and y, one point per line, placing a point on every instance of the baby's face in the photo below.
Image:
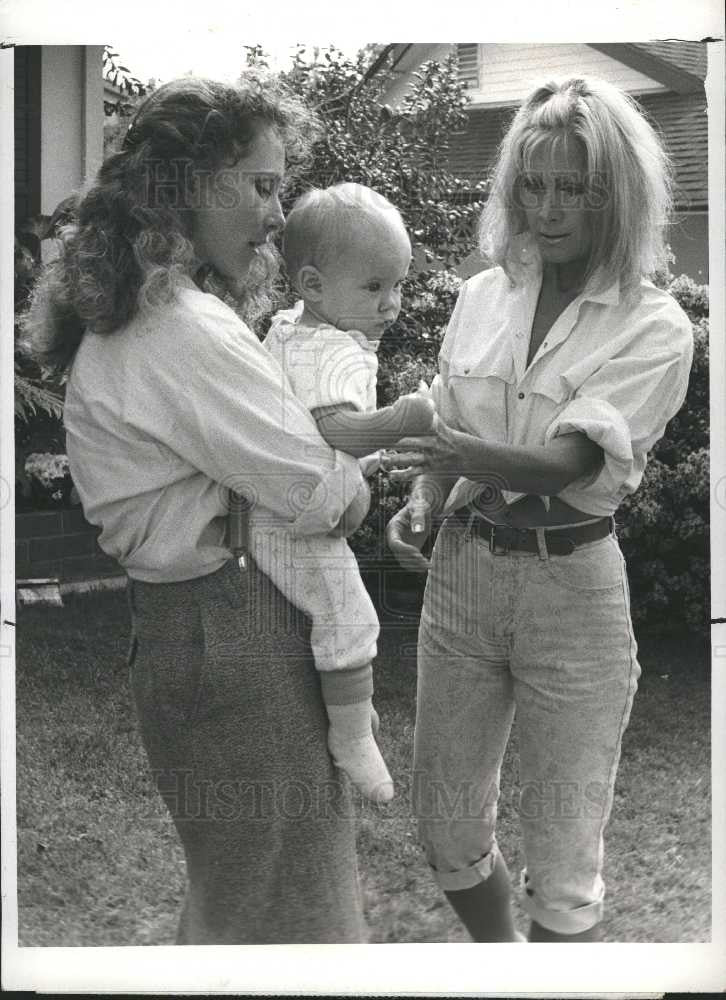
361	289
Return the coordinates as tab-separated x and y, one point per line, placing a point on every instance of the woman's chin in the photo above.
237	279
249	271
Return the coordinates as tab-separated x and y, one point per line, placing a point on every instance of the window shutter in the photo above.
468	56
27	131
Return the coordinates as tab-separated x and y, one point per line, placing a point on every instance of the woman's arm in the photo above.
541	470
210	392
544	470
360	434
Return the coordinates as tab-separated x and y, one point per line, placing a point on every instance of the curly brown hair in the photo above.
130	243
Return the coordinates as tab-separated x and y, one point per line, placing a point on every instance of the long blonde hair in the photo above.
627	183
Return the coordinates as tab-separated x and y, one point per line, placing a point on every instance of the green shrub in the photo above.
401	153
663	526
38	400
663	531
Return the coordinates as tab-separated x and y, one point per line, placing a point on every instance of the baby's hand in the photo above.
417	411
370	464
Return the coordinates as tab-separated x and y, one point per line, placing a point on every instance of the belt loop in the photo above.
541	543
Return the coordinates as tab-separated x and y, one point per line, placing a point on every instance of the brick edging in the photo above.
59	543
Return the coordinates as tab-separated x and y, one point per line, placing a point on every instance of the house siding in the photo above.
682	122
507	73
688	239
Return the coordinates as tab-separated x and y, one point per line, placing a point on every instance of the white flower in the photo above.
46	468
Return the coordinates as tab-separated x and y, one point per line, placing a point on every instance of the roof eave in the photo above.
673	77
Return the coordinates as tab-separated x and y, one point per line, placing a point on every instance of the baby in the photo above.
347	252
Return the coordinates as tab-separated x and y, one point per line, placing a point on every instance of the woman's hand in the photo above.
370	464
444	450
354	513
407	532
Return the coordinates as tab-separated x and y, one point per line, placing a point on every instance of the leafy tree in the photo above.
121	77
401	153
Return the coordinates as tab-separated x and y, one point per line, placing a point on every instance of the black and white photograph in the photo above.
356	568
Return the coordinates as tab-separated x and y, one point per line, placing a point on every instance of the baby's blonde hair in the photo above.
627	181
324	223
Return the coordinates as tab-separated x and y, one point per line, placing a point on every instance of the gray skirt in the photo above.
234	728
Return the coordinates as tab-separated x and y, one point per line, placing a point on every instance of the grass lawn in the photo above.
98	859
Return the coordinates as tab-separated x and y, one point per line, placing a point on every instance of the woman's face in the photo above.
238	209
552	197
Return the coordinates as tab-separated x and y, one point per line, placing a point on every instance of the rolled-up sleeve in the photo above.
223	404
624	407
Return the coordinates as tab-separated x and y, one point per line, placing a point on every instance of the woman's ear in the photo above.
310	282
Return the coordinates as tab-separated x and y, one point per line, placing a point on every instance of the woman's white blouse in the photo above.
614	368
165	414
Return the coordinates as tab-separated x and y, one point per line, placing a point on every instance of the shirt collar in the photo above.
609	296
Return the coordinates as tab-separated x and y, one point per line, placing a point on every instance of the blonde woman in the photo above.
172	399
559	370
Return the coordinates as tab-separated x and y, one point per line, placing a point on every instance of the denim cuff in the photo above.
467	878
574	921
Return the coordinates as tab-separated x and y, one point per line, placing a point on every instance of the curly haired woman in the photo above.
560	368
171	399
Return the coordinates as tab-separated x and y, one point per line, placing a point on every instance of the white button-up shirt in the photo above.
614	368
165	414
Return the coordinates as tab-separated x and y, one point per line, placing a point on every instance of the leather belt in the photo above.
560	541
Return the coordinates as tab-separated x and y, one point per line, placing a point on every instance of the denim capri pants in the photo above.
235	731
552	639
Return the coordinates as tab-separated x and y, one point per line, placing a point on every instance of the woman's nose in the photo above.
275	220
550	204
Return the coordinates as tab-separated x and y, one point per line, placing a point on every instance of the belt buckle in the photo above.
505	545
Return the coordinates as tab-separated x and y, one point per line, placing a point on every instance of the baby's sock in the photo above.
355	751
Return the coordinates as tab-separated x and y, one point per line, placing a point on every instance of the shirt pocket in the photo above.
549	395
481	390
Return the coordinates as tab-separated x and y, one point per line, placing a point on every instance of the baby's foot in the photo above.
361	760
